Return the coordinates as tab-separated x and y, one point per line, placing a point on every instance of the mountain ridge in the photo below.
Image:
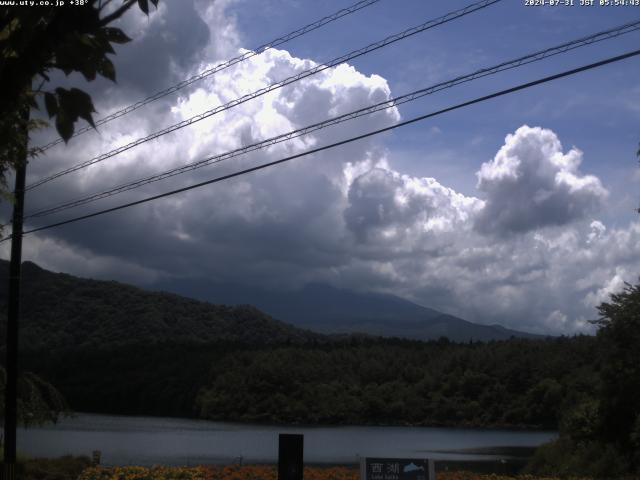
330	310
99	312
63	311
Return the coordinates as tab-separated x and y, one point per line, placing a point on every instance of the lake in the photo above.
173	441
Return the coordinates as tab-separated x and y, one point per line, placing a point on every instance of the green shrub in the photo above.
568	458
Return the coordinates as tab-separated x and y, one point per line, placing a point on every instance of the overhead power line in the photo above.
342	142
274	86
221	66
523	60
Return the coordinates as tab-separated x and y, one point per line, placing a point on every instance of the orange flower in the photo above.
259	472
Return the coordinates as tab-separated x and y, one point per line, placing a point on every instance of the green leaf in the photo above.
70	54
51	103
9	53
103	44
74	104
6	32
88	118
107	70
82	104
64	126
144	6
86	40
80	100
89	71
115	35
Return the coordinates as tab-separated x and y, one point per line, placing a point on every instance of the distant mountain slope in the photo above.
62	311
330	310
114	348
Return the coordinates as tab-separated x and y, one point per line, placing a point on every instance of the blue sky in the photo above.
518	211
597	111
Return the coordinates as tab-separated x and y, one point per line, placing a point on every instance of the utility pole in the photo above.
13	314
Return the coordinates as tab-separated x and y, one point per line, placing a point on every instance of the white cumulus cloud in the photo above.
531	183
385	206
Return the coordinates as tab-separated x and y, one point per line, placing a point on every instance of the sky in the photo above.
518	211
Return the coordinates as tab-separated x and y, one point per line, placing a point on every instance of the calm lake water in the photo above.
173	441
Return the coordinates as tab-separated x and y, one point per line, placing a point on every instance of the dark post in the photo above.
290	456
13	313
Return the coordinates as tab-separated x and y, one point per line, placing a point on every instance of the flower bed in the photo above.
257	472
253	472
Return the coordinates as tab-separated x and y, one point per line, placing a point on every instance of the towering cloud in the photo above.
531	183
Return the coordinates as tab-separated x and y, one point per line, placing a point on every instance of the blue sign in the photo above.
396	469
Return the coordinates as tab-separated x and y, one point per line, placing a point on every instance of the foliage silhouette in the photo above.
37	40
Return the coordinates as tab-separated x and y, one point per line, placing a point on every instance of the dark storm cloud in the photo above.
166	51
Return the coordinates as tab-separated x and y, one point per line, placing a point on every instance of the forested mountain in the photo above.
113	348
326	309
60	311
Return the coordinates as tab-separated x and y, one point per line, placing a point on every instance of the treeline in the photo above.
161	379
516	383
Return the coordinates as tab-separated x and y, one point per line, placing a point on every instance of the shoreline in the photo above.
249	423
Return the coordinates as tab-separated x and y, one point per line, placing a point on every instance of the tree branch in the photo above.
117	13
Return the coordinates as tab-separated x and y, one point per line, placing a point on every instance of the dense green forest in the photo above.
517	383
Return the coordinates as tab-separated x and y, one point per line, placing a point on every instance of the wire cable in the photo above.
394	102
342	142
274	86
222	66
